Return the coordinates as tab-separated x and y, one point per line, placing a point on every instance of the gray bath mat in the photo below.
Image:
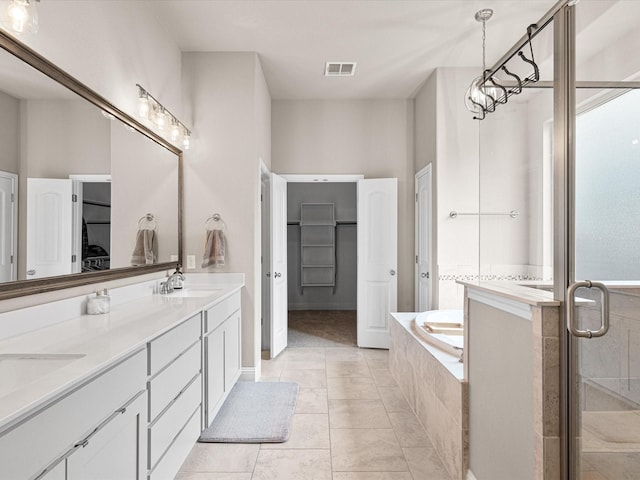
254	412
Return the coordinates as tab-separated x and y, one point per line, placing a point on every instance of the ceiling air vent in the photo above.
340	69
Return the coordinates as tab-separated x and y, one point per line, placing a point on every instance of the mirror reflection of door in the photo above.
68	225
8	226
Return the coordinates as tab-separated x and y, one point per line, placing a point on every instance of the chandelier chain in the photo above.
484	41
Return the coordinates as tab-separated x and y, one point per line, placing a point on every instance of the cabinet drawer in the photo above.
167	347
169	465
220	312
169	382
27	449
167	427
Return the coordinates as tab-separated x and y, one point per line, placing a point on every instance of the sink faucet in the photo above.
175	281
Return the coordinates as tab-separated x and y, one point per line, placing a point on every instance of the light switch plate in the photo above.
191	262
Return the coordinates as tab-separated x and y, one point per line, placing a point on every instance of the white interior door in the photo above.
49	227
423	240
278	227
8	224
265	263
377	259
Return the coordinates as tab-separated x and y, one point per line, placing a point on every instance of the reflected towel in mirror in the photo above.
214	249
145	251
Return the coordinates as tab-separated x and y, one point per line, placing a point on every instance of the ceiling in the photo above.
397	44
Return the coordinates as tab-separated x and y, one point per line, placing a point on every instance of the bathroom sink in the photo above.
192	292
17	369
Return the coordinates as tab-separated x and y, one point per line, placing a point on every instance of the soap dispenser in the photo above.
99	304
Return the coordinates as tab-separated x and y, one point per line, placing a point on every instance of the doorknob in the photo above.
392	272
425	275
268	274
277	275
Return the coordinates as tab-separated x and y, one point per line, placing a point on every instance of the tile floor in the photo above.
351	423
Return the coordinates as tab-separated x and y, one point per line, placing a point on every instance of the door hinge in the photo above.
73	258
74	198
416	258
13	198
11	260
260	197
416	198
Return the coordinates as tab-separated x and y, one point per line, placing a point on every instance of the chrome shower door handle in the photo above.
571	309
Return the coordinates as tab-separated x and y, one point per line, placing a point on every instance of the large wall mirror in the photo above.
87	193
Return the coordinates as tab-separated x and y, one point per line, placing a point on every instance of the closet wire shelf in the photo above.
317	245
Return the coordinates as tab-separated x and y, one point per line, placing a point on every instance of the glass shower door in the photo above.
605	370
606	386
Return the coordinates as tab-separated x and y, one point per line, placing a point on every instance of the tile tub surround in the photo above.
433	385
137	315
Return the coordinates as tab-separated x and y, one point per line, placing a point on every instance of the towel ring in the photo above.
215	222
148	222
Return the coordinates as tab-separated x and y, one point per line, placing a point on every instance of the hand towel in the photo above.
145	251
214	249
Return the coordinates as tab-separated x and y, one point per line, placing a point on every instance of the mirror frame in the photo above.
21	288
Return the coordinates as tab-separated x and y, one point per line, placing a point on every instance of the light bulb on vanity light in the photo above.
143	106
175	130
186	140
161	119
23	16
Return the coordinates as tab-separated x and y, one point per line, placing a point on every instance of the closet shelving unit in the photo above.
317	245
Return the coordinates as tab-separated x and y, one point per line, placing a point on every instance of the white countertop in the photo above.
102	339
520	293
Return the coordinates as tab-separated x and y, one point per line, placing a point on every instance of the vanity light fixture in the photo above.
151	109
22	16
482	93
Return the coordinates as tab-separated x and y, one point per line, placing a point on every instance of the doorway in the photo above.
375	256
322	262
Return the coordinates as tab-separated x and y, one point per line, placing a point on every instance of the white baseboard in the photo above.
248	374
470	475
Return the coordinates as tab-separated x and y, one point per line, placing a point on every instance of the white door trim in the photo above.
13	224
310	178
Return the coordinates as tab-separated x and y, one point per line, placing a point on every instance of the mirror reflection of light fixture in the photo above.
22	16
482	93
152	110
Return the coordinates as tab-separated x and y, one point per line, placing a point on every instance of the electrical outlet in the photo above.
173	258
191	262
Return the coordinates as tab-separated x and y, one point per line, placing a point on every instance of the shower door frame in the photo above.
564	267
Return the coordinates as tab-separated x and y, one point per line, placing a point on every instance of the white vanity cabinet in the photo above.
85	431
175	397
221	353
112	451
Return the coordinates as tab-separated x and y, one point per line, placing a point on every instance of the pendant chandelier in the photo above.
482	94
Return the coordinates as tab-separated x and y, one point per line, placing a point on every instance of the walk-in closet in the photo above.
322	262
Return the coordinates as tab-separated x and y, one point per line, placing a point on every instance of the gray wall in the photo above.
344	296
369	137
500	394
9	133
